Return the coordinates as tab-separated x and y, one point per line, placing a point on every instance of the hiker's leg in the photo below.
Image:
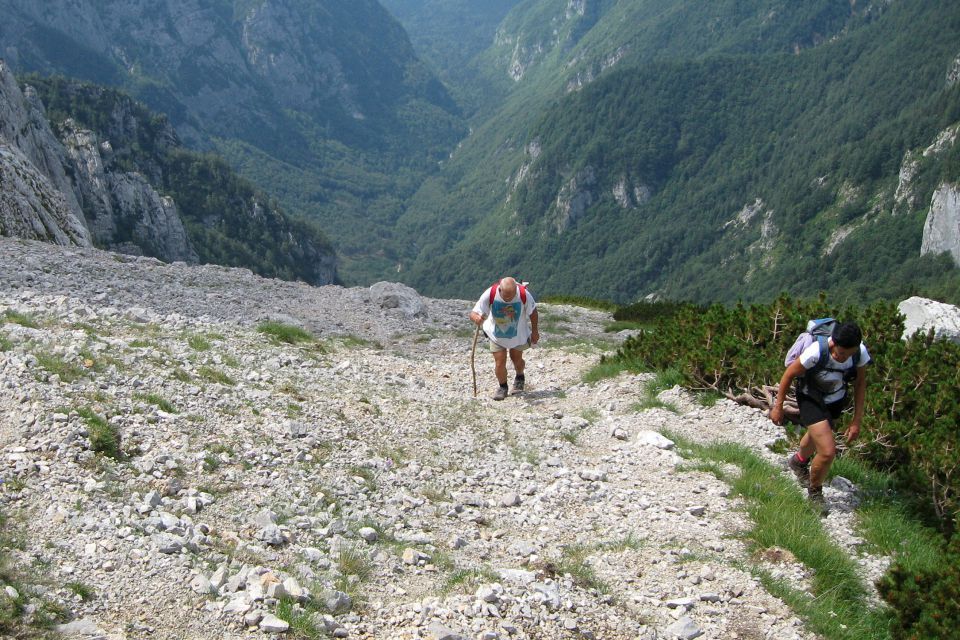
516	356
806	449
500	365
821	436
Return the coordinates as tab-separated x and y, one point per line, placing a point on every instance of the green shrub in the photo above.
646	312
912	404
927	603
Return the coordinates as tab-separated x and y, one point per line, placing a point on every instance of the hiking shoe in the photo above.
518	386
815	496
801	470
500	394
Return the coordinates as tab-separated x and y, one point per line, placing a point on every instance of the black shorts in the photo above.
813	410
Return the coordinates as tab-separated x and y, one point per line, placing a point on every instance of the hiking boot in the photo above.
501	393
518	386
815	496
801	470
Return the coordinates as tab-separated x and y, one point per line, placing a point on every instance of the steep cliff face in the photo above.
36	196
59	188
120	180
233	68
941	233
31	207
123	211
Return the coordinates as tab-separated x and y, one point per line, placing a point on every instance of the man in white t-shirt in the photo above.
508	315
821	398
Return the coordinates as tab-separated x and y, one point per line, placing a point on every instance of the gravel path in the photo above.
353	484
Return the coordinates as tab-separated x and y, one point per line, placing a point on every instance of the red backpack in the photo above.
496	285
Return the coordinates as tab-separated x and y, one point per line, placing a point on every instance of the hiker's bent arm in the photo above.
476	318
794	370
859	400
534	331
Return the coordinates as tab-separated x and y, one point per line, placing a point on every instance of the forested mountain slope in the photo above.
726	151
449	35
324	103
119	175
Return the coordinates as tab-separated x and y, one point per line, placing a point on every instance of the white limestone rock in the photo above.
923	314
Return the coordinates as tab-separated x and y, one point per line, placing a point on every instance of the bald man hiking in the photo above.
507	313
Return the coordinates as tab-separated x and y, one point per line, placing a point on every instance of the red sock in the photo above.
800	458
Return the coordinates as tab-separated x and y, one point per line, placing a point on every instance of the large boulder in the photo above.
941	231
393	295
923	314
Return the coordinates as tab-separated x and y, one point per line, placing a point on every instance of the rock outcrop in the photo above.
62	189
941	232
923	314
37	197
123	211
31	207
574	198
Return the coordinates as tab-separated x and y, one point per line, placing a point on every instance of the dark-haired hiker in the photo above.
508	314
821	397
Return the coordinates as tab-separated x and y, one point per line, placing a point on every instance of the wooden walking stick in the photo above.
473	355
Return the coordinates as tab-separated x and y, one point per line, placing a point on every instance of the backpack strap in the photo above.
824	358
496	285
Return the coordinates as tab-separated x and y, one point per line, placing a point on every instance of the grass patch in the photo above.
83	591
5	343
590	414
467	580
158	401
368	475
215	375
434	494
356	568
891	521
396	455
574	561
662	381
198	342
301	618
14	621
54	365
628	542
22	319
104	437
279	332
603	370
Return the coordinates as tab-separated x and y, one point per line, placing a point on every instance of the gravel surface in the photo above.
353	485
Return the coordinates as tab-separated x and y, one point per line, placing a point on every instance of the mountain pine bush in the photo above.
926	604
912	407
911	421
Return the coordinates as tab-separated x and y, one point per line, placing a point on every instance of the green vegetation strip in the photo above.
838	607
289	334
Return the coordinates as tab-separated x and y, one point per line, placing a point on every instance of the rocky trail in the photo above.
352	486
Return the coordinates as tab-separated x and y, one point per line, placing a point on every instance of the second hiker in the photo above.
508	315
823	369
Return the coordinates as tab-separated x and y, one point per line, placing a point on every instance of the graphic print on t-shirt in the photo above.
506	317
